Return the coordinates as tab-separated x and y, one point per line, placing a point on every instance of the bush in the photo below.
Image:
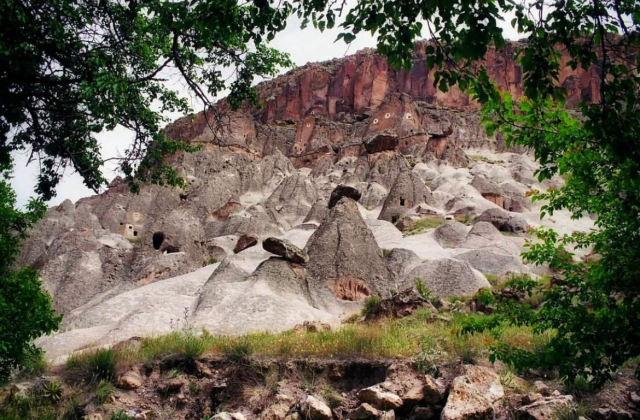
26	310
371	305
99	364
424	292
104	391
423	225
120	415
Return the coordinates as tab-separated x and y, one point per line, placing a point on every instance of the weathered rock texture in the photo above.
120	265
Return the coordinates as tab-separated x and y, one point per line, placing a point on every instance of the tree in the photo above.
25	310
593	306
72	68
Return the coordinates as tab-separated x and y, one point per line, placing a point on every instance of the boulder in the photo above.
363	412
543	409
490	262
172	385
434	390
285	249
472	396
380	142
279	409
608	413
451	234
244	242
312	408
425	173
379	398
130	380
401	261
343	191
503	221
448	277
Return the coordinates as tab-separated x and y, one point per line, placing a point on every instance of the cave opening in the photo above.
158	239
402	201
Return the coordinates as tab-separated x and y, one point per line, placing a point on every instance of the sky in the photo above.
304	46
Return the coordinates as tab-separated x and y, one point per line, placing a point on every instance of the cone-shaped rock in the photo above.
407	192
345	262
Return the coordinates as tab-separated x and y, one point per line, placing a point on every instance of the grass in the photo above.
98	364
429	343
104	391
384	338
423	225
210	261
424	292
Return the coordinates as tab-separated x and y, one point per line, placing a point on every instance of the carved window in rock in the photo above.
402	201
375	121
387	115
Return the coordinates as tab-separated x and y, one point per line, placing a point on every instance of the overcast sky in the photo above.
304	46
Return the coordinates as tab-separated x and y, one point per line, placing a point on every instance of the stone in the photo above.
363	412
472	396
451	234
380	142
503	221
172	385
130	380
543	409
279	409
608	413
312	408
285	249
434	390
94	416
203	370
343	191
542	388
448	277
399	305
244	242
422	413
379	398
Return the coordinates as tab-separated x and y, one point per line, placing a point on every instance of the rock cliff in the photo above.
121	265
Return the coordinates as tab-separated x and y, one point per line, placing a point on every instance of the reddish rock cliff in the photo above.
359	105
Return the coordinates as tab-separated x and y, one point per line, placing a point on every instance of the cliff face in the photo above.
120	265
359	104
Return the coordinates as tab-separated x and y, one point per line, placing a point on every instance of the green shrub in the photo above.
423	225
238	351
428	359
120	415
100	364
52	391
371	305
424	291
104	391
210	261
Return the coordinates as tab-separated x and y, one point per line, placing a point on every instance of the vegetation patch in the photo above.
423	225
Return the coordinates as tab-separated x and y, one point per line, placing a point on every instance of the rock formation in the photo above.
339	152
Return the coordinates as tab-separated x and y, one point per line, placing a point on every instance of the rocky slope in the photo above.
121	265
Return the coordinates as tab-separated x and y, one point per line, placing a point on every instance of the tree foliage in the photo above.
70	69
25	309
594	306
